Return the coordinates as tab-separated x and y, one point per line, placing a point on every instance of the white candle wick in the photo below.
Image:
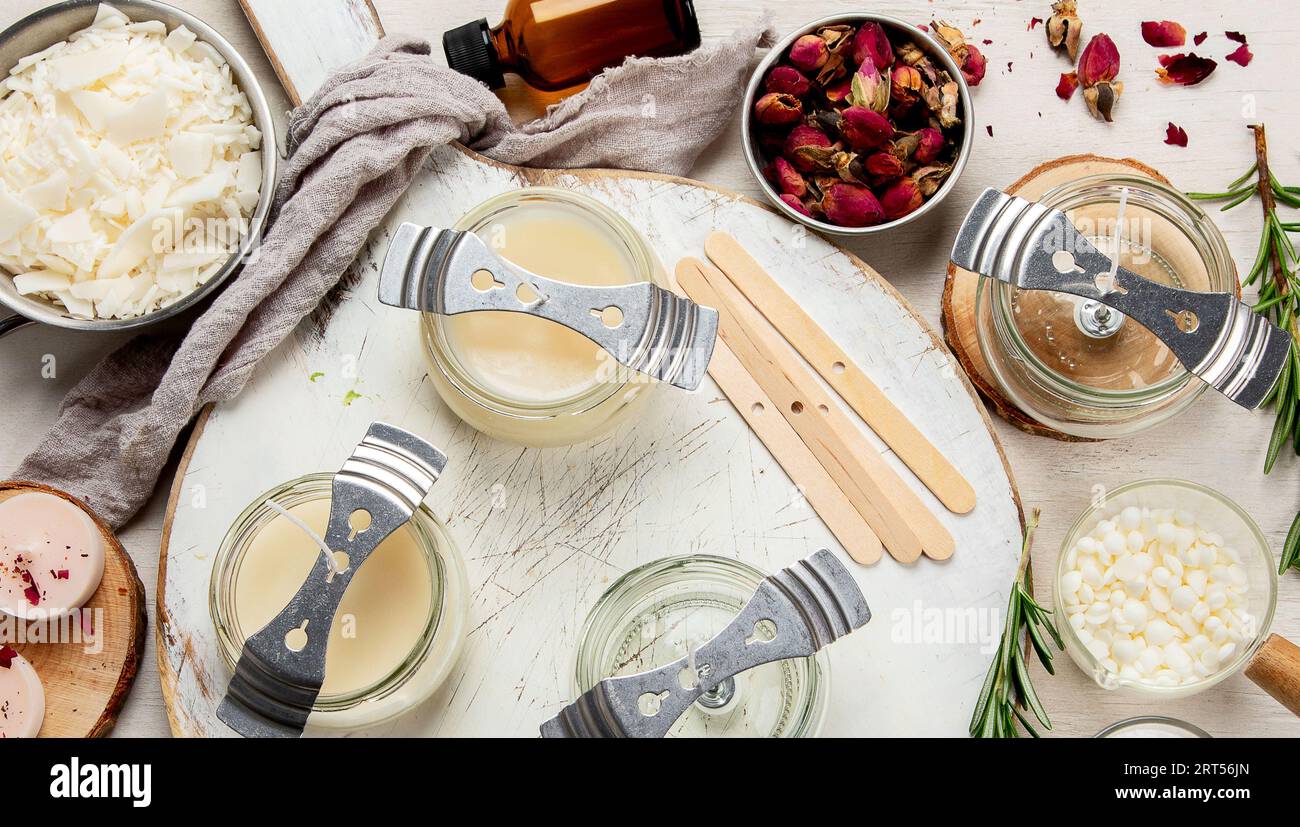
320	543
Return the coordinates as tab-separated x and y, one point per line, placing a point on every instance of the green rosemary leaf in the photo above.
1253	169
1291	548
1240	198
1024	722
1040	647
1281	430
1027	692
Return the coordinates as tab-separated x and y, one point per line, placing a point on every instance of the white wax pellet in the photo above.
1159	632
1115	542
1118	597
1184	518
1161	576
1216	599
1103	528
1091	574
1200	611
1183	598
1183	538
1097	613
1209	658
1185	623
1207	556
1177	658
1197	580
1086	594
1135	612
1198	644
1125	651
1165	532
1226	651
1076	620
1128	672
1098	649
1150	659
1130	518
1159	600
1174	565
1238	574
1135	541
1072	558
1070	582
1084	636
1127	569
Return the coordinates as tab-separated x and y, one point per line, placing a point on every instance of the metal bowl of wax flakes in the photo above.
856	124
92	236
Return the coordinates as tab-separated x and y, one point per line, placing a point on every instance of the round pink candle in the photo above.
51	556
22	699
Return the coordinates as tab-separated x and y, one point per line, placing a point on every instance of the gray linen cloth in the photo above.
354	148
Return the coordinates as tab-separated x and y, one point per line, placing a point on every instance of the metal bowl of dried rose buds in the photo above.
856	124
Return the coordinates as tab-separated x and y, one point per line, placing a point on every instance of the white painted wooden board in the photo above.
545	531
1057	477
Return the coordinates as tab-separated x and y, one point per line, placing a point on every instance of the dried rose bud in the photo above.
1068	83
1064	28
870	88
851	205
865	129
795	204
901	198
910	53
777	109
905	147
1163	33
942	100
1098	68
871	41
1185	70
1100	61
905	87
929	179
787	179
786	80
882	166
930	142
838	39
808	148
809	53
968	58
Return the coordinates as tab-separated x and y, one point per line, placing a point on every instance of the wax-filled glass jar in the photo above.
1152	726
399	629
650	616
1079	366
524	379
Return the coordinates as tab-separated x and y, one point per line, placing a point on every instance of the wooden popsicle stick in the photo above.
840	372
793	456
892	510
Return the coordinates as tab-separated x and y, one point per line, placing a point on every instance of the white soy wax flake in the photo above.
1156	597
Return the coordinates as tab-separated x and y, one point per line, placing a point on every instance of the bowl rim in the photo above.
17	310
1263	554
922	39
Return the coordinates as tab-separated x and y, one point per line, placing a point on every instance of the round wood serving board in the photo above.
84	689
960	285
544	532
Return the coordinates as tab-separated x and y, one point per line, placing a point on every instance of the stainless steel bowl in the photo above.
753	155
54	23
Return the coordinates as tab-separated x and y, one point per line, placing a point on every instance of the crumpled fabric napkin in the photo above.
354	148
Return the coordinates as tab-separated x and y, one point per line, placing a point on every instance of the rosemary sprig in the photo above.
1008	692
1279	300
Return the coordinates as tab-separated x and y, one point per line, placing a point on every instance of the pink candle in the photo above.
22	699
51	556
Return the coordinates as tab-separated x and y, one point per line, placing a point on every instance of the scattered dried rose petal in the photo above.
7	655
1236	36
1242	56
1163	34
1175	135
1034	21
990	129
1069	82
61	574
987	42
1200	38
1185	69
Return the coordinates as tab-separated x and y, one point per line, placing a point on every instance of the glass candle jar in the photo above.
649	617
1152	726
399	628
1213	511
524	379
1079	366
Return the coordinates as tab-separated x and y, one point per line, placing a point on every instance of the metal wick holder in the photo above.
1218	338
643	326
810	604
282	667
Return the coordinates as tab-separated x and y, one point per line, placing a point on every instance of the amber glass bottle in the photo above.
555	44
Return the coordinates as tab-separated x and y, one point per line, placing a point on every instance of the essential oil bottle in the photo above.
556	44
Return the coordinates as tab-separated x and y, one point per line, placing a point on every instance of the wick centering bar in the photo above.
793	614
643	326
1214	335
282	666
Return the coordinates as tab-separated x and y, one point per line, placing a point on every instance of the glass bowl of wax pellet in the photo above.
1164	588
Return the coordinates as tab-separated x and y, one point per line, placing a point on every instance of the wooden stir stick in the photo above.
893	511
793	456
840	372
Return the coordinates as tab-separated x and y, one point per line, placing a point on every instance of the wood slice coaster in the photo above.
959	287
85	689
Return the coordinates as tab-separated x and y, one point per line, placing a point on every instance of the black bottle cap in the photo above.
470	51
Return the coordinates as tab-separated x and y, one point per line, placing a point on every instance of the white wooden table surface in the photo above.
1215	443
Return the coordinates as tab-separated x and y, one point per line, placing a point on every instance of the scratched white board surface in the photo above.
544	532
